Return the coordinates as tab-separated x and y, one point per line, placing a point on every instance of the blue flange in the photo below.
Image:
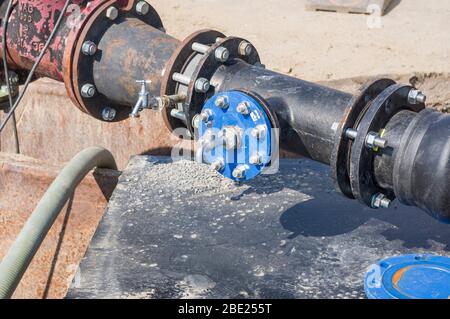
409	277
236	135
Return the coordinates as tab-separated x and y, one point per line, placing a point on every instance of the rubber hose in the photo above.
22	251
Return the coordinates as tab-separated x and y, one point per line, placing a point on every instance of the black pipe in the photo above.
421	174
310	110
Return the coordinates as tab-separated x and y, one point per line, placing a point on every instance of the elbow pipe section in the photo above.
22	251
308	113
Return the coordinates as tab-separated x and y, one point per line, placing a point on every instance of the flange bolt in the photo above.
243	108
222	54
222	102
239	172
255	159
202	85
259	132
108	113
206	116
416	97
88	90
89	48
112	13
245	48
375	141
142	8
380	201
217	165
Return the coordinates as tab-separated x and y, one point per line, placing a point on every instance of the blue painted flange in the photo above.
409	277
221	121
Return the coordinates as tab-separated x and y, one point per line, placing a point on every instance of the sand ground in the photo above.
413	35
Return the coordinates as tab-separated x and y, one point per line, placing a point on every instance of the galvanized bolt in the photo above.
88	90
243	108
416	97
231	137
222	102
200	47
259	131
239	172
351	133
380	201
255	159
374	141
108	113
222	54
89	48
206	116
218	165
202	85
112	13
181	78
245	48
196	121
142	8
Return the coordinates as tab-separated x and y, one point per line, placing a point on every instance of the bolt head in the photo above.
239	172
88	90
222	54
112	13
89	48
205	116
196	121
381	201
416	97
245	48
108	113
232	138
243	108
202	85
222	102
374	141
259	131
255	159
218	165
142	8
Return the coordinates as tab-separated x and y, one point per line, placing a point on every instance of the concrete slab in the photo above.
179	231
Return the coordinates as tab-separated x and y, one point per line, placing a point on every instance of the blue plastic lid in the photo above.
409	277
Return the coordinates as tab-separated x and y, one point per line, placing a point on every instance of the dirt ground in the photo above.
320	46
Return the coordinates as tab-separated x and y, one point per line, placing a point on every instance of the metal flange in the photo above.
206	68
381	110
182	56
237	136
78	64
342	146
197	60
